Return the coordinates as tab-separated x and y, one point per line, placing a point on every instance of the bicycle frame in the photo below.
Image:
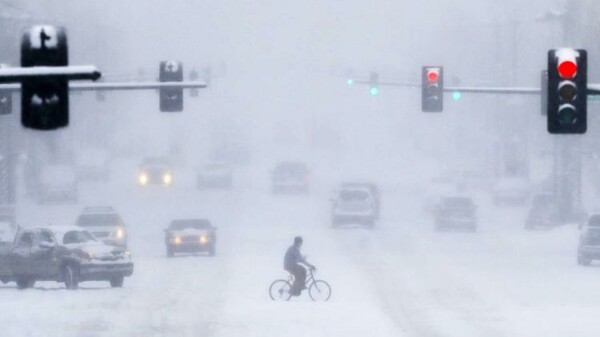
310	278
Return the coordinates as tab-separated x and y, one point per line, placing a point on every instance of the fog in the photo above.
422	224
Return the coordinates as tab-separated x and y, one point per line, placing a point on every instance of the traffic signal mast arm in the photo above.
494	90
136	85
390	83
17	75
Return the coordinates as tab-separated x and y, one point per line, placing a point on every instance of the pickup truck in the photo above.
67	254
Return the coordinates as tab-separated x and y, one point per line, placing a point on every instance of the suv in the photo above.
105	223
455	212
190	236
215	174
354	205
589	241
63	254
373	189
155	171
542	212
290	177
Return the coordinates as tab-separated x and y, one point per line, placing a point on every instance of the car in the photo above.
290	177
373	189
589	241
155	171
352	205
190	236
455	212
511	191
542	212
58	182
105	224
93	165
68	254
215	175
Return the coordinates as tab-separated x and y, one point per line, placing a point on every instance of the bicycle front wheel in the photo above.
280	290
319	291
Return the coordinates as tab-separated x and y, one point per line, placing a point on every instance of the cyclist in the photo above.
292	263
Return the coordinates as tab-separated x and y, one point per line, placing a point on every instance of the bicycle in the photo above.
318	290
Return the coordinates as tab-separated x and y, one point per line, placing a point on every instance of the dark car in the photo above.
290	177
63	254
589	241
542	212
106	225
155	171
190	236
455	213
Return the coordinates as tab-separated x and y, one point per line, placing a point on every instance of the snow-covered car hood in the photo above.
98	249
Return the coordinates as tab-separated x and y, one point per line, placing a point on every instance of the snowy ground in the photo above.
400	279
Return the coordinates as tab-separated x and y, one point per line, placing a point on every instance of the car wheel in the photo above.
71	277
25	282
583	261
117	281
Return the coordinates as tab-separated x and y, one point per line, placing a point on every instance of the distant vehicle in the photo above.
190	236
93	164
8	224
105	224
215	175
511	191
58	182
290	177
155	171
373	189
589	241
354	205
455	213
63	254
542	212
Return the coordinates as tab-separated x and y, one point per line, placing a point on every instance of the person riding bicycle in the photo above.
292	263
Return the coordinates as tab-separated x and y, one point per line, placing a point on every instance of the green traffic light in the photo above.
350	81
456	95
374	91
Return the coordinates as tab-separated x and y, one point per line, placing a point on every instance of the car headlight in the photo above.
143	178
176	240
203	239
167	178
120	233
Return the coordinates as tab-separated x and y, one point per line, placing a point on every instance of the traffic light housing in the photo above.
567	91
44	100
171	99
432	89
374	83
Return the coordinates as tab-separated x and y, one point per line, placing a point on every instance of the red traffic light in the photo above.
567	69
433	75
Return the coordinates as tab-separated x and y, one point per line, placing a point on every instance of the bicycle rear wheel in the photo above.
280	290
319	291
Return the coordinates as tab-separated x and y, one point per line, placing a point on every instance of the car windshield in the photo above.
98	220
353	195
77	236
191	224
457	202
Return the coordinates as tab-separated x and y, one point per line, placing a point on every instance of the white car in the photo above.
353	206
105	224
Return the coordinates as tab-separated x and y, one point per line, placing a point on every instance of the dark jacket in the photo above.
292	258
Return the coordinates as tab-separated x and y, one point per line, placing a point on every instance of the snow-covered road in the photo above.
400	279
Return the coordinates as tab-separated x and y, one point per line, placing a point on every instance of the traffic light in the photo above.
44	100
567	91
374	83
171	99
544	92
432	89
